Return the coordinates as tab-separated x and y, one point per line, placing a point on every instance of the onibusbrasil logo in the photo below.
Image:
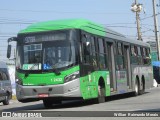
23	114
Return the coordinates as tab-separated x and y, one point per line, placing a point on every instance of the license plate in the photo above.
43	95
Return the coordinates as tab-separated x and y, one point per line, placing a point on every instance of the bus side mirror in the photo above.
9	48
9	51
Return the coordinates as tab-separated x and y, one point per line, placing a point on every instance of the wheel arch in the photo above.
101	82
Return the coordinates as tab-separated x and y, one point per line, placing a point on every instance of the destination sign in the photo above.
49	37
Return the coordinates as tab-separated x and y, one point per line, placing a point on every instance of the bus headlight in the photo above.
72	76
19	81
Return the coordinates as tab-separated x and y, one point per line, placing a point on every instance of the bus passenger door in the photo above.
127	65
111	65
86	67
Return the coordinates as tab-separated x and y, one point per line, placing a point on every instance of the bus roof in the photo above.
65	24
82	24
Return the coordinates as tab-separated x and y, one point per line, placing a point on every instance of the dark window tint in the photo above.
120	57
102	55
133	54
86	48
93	52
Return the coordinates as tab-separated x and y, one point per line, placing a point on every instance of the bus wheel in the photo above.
143	88
101	94
136	92
47	103
6	101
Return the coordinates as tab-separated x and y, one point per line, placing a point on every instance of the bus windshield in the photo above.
58	54
46	55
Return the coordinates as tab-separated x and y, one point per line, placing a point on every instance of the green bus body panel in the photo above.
46	78
66	24
89	84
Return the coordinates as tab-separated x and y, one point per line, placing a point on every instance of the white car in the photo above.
5	84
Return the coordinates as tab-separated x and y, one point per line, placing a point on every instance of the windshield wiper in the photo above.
27	72
57	72
52	69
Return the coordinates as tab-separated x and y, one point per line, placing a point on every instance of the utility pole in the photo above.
137	8
156	28
138	24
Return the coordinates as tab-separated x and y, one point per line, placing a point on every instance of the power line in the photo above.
146	31
149	17
146	17
13	19
15	22
6	36
118	23
122	26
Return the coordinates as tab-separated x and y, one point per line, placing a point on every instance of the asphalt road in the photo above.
148	102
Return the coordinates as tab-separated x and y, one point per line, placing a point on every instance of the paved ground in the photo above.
150	101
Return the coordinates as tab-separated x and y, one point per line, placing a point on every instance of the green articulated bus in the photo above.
78	59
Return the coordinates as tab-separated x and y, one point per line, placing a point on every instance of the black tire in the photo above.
101	94
143	88
136	92
6	101
57	102
47	103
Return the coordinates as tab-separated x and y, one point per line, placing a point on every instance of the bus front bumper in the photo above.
67	90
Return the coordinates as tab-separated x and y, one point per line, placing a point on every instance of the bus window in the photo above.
144	56
120	57
147	52
139	51
148	59
144	52
119	47
135	50
86	48
93	52
102	56
133	54
139	55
